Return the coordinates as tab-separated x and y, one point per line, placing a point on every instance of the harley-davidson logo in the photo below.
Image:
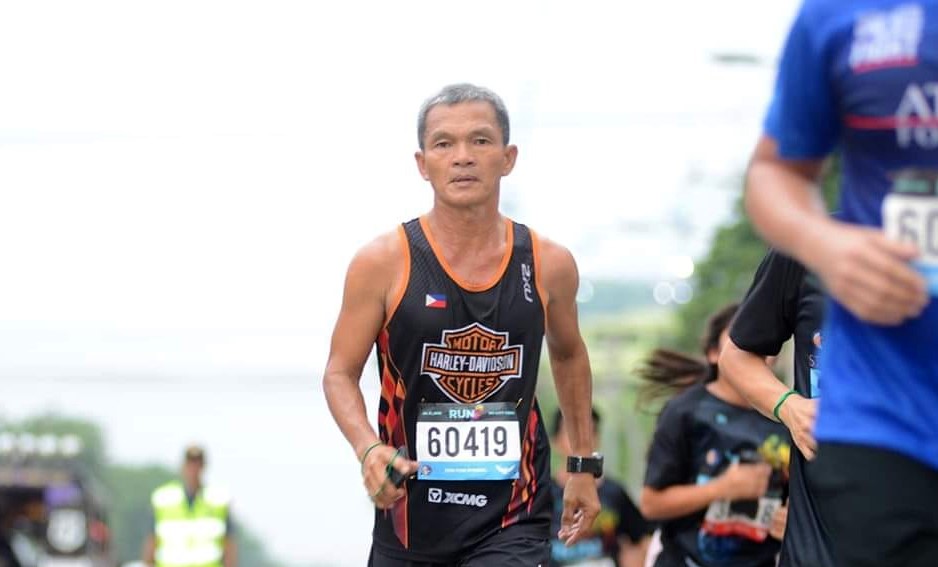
472	363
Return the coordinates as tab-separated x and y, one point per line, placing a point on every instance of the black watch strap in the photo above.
592	464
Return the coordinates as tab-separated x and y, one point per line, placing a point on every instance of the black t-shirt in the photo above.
618	517
698	436
785	301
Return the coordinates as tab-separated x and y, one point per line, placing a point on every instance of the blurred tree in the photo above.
131	516
726	272
602	297
93	453
722	276
616	342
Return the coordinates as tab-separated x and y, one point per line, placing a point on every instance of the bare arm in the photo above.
358	324
738	482
678	500
569	360
784	202
231	552
573	380
864	270
372	274
751	377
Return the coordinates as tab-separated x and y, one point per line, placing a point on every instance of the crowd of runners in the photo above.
840	470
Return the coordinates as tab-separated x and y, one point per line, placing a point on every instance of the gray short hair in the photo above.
463	92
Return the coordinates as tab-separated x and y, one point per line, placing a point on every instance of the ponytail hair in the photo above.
667	372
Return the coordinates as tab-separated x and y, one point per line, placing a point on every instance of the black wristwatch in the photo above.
592	464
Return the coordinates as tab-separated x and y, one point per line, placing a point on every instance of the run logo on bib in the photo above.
910	214
468	442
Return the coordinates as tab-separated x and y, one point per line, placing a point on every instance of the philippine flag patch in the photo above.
436	301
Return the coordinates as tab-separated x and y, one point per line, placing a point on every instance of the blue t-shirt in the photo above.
861	77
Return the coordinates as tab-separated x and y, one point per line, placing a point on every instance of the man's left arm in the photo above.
570	365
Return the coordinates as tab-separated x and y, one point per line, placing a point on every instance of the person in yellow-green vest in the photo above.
191	523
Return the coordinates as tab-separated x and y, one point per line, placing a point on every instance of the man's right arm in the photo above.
374	271
764	322
864	270
358	324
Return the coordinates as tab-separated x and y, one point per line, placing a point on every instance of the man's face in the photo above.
192	472
464	156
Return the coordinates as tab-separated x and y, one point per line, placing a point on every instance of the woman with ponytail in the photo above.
717	469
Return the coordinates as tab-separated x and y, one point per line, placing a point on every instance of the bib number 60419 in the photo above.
456	442
485	441
910	214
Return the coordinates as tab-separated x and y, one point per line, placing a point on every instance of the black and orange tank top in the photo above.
458	367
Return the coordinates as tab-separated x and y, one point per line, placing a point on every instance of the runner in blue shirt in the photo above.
861	78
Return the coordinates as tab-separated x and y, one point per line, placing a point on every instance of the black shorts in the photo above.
508	547
881	507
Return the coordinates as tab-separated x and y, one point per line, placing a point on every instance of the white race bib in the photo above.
468	442
910	214
726	518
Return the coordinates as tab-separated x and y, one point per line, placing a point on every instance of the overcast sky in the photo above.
182	183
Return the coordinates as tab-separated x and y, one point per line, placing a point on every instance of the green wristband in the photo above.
368	450
781	401
397	454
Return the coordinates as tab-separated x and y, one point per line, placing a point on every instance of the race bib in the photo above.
750	519
814	370
910	214
468	442
815	377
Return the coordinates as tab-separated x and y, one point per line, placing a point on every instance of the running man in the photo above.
457	303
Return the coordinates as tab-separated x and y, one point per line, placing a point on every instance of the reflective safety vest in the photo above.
189	536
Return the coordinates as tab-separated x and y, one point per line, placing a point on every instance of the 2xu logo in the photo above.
439	496
526	279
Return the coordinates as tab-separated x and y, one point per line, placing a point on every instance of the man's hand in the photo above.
375	475
797	414
869	273
580	508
